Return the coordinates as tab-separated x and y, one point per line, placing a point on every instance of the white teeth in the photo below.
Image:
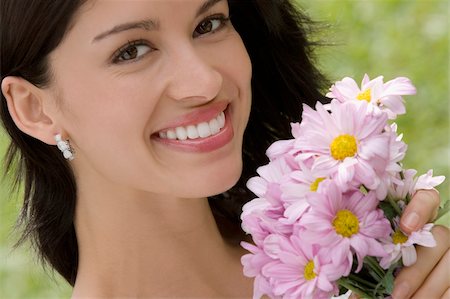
214	126
171	134
181	133
221	119
192	132
201	130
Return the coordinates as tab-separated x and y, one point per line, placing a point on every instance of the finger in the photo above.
446	294
421	209
437	282
410	278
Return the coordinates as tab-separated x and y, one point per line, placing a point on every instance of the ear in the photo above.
25	105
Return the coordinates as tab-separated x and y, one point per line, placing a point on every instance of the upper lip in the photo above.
200	114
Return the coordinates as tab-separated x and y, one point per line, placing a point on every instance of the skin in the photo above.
143	223
429	277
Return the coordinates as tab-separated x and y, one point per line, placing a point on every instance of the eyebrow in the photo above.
144	24
206	6
149	24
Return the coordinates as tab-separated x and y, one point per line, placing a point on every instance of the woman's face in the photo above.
154	95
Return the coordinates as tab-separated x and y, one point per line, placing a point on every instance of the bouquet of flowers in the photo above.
328	203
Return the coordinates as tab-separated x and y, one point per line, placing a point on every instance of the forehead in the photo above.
103	10
96	16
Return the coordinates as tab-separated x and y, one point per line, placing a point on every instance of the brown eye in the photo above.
210	25
131	51
205	27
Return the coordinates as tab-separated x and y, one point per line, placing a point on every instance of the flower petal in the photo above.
409	255
399	86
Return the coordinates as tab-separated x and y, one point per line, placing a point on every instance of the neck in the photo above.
135	244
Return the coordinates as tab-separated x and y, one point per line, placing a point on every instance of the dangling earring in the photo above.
64	147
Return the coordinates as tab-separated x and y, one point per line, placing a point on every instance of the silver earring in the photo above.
64	147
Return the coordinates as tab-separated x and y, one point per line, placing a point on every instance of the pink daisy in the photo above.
302	270
409	184
300	183
350	142
349	223
397	151
253	263
264	215
428	181
387	96
262	223
399	245
267	184
402	187
258	225
279	149
285	148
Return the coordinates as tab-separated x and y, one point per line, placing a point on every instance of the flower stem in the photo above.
375	266
363	281
348	286
364	190
394	205
444	210
408	197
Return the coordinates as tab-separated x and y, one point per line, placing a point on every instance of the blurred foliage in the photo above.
379	37
21	277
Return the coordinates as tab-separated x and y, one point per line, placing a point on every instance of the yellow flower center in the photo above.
398	237
314	185
343	146
308	273
365	95
346	223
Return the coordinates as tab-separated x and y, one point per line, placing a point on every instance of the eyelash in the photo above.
123	50
216	17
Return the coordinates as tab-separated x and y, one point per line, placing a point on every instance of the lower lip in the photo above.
201	145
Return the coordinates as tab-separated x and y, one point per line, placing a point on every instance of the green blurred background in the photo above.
379	37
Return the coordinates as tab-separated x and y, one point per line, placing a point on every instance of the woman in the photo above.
151	99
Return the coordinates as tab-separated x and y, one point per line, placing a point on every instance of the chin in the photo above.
224	177
213	183
225	184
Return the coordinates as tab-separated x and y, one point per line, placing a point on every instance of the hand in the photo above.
429	276
422	208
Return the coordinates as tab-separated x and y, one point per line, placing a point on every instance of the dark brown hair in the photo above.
284	77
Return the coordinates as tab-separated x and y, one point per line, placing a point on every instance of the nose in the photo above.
193	77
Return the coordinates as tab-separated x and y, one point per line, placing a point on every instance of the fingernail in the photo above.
401	290
411	220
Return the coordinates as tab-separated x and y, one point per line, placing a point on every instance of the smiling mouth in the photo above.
195	131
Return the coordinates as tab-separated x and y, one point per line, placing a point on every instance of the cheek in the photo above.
106	122
102	103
